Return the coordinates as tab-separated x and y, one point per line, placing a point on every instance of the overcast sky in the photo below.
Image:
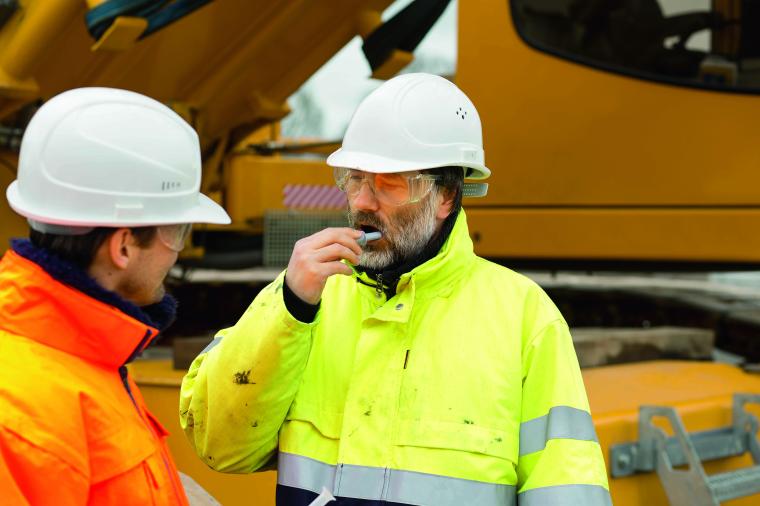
338	87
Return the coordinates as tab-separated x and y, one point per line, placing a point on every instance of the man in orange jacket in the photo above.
108	180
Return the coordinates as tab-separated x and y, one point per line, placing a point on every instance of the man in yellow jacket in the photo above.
108	181
404	369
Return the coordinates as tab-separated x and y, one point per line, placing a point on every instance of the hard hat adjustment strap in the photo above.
475	189
50	228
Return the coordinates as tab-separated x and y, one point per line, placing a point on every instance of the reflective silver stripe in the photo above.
376	483
562	422
566	495
303	472
210	345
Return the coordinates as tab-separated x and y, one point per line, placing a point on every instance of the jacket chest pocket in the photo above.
460	450
455	398
124	468
458	420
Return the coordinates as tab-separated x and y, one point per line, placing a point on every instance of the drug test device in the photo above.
366	237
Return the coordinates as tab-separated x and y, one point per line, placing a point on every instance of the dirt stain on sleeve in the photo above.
243	378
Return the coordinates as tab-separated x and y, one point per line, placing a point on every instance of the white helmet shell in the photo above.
414	122
113	158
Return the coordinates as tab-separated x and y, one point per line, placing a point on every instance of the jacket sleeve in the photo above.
560	459
238	391
26	471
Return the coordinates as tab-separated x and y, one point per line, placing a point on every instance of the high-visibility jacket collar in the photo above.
35	305
438	273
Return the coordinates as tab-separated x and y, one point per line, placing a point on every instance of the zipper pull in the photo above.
379	286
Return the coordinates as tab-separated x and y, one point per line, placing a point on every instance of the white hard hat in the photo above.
414	122
112	158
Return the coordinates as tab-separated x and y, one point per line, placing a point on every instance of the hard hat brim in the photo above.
206	211
368	162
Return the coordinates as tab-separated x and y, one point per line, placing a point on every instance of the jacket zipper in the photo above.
125	381
123	369
378	286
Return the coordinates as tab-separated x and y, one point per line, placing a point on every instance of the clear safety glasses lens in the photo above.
394	189
174	237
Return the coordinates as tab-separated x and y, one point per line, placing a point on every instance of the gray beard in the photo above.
407	234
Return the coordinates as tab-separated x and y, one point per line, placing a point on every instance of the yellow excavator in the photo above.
621	135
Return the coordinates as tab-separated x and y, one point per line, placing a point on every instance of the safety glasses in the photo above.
395	189
174	237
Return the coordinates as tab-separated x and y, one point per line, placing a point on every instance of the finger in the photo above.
334	252
345	236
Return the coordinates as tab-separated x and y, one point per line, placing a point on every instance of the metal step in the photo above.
678	459
735	484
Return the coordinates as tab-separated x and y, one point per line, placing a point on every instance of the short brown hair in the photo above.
451	180
80	249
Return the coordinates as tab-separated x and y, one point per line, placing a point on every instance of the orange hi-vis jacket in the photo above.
74	429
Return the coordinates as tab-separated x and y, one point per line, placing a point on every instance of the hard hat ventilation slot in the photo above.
170	185
461	113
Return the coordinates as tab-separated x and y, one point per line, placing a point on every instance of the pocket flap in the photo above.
119	452
465	437
157	426
327	423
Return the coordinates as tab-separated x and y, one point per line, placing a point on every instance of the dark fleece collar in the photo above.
159	315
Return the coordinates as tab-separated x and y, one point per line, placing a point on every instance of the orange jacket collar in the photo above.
36	306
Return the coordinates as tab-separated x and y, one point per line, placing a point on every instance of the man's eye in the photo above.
394	182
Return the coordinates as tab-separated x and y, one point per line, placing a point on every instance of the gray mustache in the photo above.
367	219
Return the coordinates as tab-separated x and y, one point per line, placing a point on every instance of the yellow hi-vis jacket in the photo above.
463	388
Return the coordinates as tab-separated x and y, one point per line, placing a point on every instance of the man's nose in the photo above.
365	199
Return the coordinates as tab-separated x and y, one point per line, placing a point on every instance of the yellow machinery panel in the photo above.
591	164
700	392
560	133
655	234
256	184
11	224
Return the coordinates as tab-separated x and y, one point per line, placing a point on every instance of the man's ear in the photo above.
445	203
120	248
